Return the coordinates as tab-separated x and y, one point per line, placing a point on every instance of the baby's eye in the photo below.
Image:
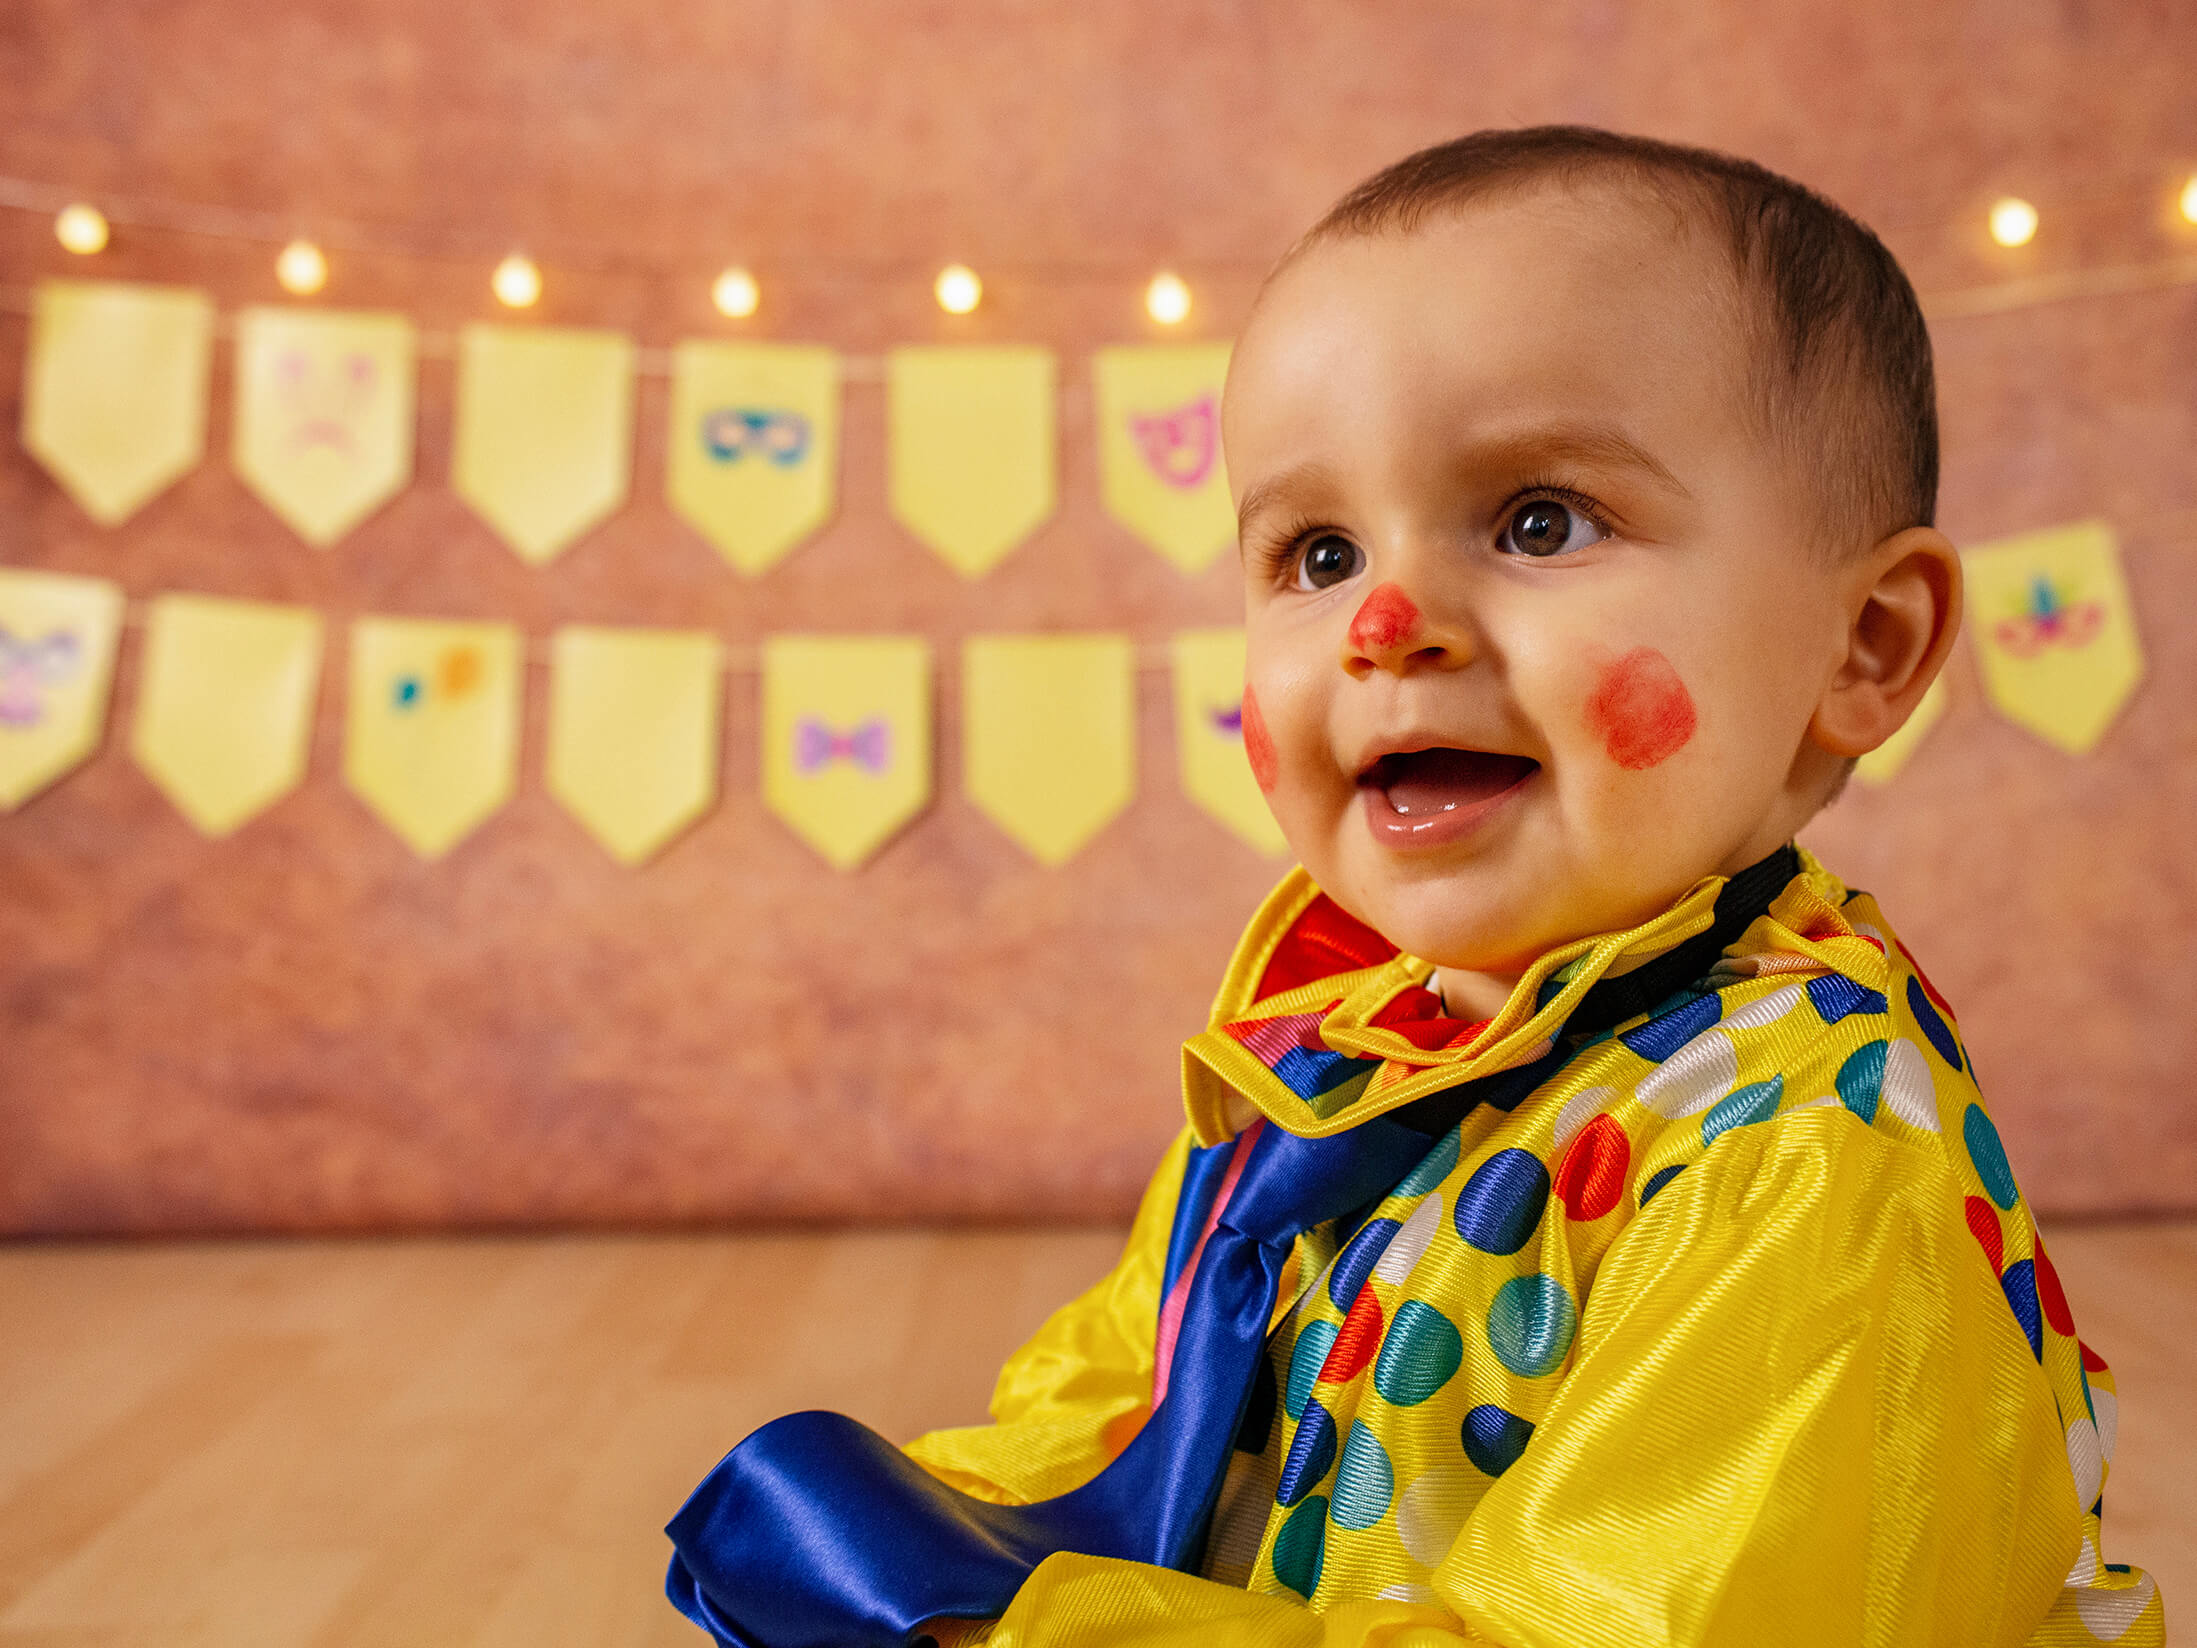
1542	527
1327	560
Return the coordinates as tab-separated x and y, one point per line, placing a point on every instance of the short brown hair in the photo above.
1847	382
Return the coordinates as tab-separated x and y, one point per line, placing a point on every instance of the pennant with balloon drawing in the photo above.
846	738
431	725
754	461
1161	474
1049	736
225	699
973	460
1209	736
2054	632
114	389
57	646
323	431
543	449
633	732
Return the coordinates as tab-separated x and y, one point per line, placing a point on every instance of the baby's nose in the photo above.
1388	632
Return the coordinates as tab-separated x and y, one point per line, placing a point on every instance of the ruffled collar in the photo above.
1321	1024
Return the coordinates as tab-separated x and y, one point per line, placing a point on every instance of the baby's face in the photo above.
1535	630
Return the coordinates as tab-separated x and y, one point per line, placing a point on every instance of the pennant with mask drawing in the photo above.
1159	429
114	389
846	738
754	459
323	415
2050	617
57	641
431	728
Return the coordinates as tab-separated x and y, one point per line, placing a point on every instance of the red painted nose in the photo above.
1387	620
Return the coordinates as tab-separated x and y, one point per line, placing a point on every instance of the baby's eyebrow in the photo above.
1603	445
1263	495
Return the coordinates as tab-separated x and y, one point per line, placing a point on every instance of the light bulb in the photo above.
517	282
1167	299
958	289
735	293
2189	200
301	268
2013	222
82	229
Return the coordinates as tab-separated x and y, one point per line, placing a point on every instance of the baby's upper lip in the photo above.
1411	743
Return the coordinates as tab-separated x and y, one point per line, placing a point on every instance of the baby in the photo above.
1587	1230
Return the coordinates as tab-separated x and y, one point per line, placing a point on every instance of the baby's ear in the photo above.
1904	598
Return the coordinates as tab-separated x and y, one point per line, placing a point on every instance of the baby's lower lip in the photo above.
1441	796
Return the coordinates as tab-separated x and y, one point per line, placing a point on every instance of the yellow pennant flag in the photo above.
846	738
633	719
225	705
114	390
431	732
1878	766
544	442
1209	735
57	637
973	449
2054	633
1159	429
1049	735
754	445
323	415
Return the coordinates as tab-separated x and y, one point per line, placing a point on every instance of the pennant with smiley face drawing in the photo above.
323	415
1160	448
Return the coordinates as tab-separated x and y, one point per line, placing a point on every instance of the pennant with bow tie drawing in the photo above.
1209	736
225	705
1049	736
544	442
1160	447
754	445
846	738
431	728
114	389
57	636
633	739
972	449
323	415
2050	616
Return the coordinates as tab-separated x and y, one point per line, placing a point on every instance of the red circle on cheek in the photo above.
1641	710
1258	743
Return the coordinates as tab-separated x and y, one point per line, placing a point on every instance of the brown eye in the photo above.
1327	561
1542	527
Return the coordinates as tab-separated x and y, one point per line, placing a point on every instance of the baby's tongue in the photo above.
1440	781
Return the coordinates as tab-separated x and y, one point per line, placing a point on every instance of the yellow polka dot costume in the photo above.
1735	1329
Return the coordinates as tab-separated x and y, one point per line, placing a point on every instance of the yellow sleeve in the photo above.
1071	1398
1801	1413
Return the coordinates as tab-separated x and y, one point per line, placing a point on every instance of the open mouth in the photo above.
1422	795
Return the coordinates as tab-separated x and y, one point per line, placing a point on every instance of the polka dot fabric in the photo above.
1424	1362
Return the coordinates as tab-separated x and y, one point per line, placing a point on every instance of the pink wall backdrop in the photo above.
303	1027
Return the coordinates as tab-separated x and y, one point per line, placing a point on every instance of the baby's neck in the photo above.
1473	996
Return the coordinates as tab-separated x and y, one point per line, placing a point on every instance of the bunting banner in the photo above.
1879	765
114	390
1159	440
754	461
1209	736
323	429
225	705
1049	736
846	738
544	442
2049	613
57	637
633	732
431	732
973	449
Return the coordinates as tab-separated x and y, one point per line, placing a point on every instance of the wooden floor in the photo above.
391	1444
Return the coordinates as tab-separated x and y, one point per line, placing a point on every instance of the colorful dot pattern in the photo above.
1417	1370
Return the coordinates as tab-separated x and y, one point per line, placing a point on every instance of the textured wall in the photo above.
304	1027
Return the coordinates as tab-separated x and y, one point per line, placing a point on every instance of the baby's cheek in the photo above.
1258	743
1640	710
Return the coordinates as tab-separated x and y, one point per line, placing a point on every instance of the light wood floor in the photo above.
474	1443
